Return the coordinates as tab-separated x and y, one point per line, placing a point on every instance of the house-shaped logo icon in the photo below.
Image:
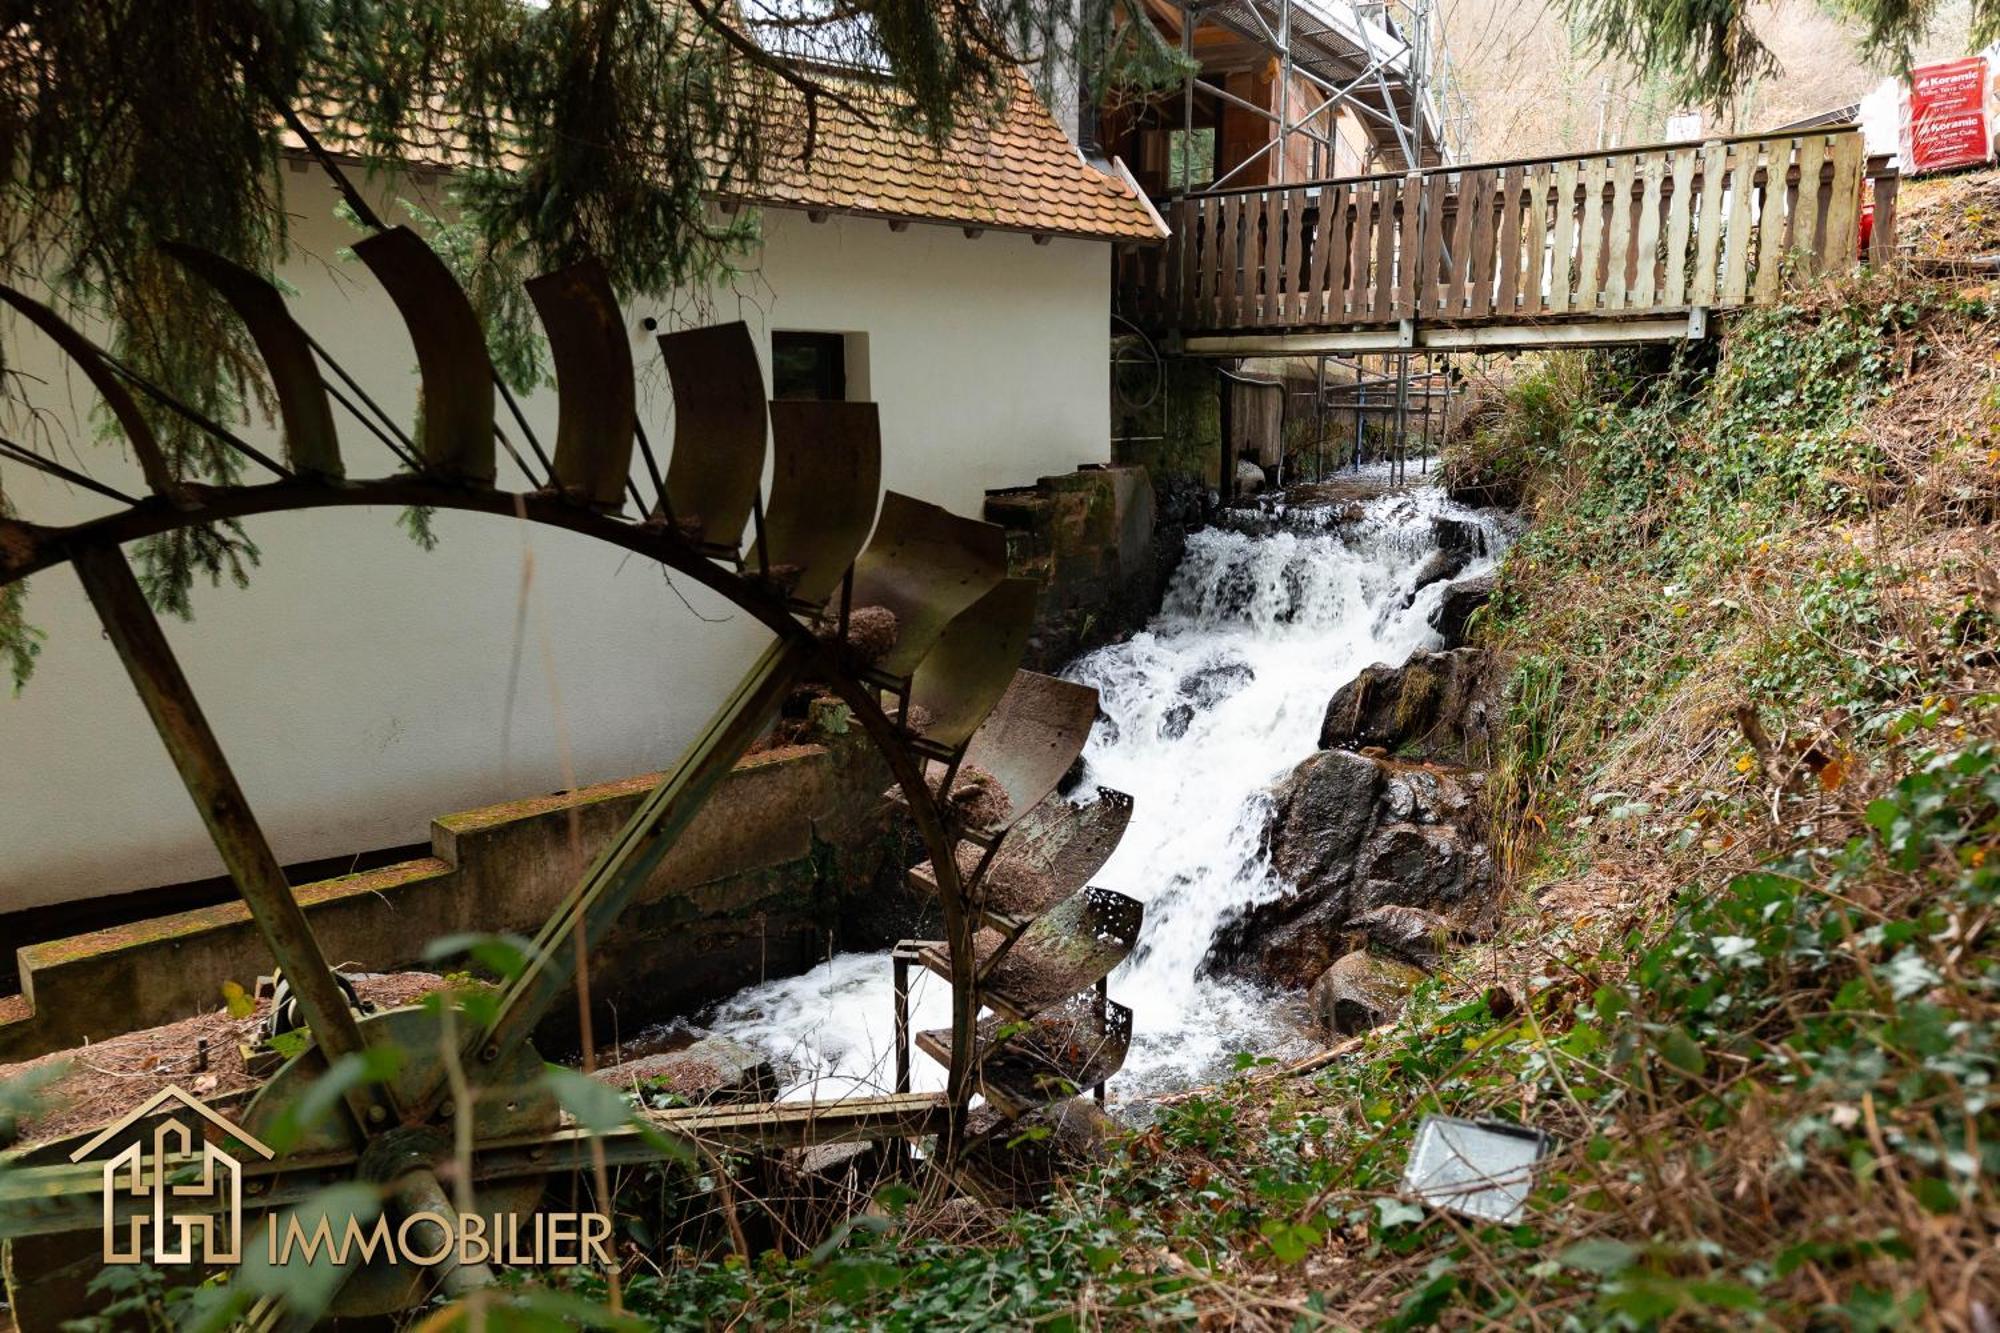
177	1186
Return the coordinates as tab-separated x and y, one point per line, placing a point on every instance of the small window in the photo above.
1197	153
809	365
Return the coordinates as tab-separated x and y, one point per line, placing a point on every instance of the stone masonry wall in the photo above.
1088	535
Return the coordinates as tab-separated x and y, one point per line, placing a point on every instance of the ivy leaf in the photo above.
1289	1241
1681	1051
1397	1212
237	1000
1935	1195
1600	1255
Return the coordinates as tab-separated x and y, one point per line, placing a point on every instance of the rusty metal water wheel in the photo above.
941	696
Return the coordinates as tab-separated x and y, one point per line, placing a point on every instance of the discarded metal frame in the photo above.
962	625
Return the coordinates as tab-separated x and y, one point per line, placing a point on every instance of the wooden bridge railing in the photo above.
1611	235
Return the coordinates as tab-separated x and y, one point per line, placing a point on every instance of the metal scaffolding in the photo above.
1386	61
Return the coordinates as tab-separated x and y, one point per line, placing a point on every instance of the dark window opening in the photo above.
809	365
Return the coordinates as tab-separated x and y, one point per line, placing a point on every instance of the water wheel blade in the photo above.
1054	851
597	412
965	674
1048	855
1066	949
719	427
1022	1064
826	473
152	462
1030	740
457	420
1025	969
312	445
925	565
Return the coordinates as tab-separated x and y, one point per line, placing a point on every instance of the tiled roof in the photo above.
1018	173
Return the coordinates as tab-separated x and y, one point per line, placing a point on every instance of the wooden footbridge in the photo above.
1603	248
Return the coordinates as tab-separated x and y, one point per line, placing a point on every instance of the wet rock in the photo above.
714	1069
1212	684
1412	934
1325	808
1422	795
1461	535
1249	522
1443	564
1351	833
1322	813
1451	616
1175	722
1422	865
1361	991
1249	477
1436	706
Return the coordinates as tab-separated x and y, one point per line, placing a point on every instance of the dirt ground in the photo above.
202	1054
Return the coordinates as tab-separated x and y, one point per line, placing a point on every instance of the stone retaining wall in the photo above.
753	889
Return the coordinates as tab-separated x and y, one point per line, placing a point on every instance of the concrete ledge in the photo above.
744	871
1521	335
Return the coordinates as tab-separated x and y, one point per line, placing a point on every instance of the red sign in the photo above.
1947	119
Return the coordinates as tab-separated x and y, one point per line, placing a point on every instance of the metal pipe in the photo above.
1284	125
54	469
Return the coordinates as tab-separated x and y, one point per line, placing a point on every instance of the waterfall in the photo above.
1220	695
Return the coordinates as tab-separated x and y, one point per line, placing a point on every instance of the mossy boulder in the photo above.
1452	616
1437	706
1362	991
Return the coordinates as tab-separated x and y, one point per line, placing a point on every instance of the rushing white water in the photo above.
1218	697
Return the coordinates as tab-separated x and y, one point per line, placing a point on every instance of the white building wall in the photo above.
361	685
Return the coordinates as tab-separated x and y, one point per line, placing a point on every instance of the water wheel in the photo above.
938	693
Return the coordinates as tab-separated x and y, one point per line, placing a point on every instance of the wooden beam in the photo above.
163	688
1495	337
46	1200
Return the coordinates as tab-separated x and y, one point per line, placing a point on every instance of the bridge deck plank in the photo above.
1615	236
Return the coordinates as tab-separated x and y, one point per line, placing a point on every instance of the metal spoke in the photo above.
632	856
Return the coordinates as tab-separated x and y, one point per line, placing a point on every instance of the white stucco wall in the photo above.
361	685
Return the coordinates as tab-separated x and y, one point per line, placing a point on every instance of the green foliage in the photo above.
1709	50
1667	482
20	642
139	1296
597	127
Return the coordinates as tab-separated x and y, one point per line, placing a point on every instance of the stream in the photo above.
1220	695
